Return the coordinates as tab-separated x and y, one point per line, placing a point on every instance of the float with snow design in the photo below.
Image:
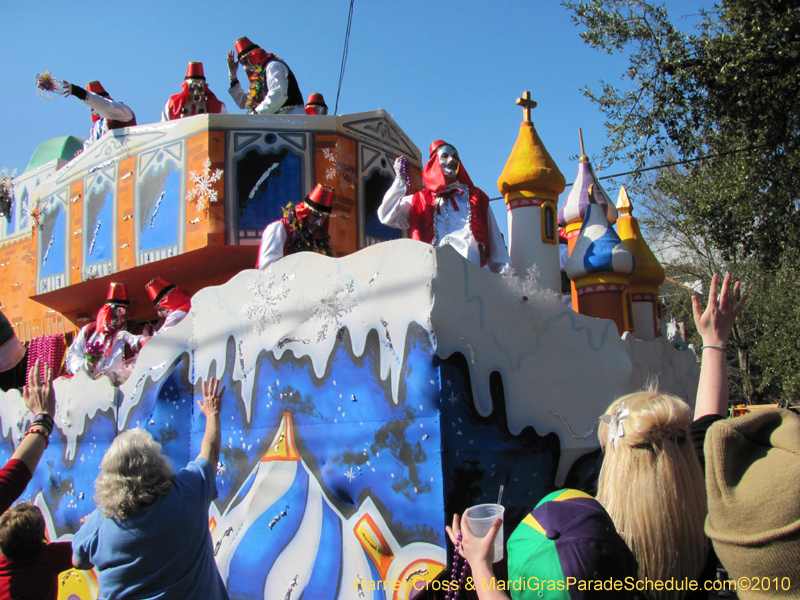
369	396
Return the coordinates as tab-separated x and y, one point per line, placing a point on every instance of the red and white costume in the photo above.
169	297
181	104
281	237
118	346
457	214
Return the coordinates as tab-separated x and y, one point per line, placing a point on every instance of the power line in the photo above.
681	162
344	56
671	164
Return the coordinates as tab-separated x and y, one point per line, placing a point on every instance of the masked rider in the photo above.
303	229
450	210
195	99
107	114
104	346
273	87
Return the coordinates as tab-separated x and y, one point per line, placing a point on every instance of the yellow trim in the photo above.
573	227
628	311
569	494
596	279
533	524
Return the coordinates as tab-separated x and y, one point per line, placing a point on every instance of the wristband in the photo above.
723	348
38	432
45	421
77	91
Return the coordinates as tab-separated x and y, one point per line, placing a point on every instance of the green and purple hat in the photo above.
569	537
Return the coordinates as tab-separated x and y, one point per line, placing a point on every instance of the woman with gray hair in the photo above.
149	535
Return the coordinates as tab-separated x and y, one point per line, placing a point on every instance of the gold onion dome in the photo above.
530	170
648	273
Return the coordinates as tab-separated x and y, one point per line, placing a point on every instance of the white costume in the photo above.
107	109
173	318
451	226
112	363
273	242
276	75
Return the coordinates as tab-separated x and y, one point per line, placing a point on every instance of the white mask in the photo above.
448	160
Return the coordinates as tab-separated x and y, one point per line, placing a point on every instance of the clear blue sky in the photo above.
449	70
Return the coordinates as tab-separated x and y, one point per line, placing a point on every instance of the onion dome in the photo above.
530	171
649	274
573	211
598	249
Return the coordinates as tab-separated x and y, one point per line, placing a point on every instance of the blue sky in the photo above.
449	70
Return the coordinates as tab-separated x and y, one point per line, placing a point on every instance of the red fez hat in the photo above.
316	99
195	71
117	295
321	199
96	88
436	144
244	47
158	289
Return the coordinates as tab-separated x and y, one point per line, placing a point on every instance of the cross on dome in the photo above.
527	104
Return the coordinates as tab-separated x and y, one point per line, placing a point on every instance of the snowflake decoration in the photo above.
267	294
329	309
528	287
340	161
202	194
349	474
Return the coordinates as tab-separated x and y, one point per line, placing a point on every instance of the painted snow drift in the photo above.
368	398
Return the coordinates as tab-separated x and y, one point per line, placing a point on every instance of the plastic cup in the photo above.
480	519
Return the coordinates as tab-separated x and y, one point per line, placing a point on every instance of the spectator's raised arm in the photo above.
211	408
715	325
41	401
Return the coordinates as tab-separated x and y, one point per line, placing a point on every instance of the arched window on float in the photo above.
629	312
269	173
549	227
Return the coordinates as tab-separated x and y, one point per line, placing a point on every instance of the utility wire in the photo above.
344	56
671	164
681	162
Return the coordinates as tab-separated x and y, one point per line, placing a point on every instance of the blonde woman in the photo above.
149	536
651	481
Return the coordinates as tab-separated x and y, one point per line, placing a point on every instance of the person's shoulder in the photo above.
197	477
199	466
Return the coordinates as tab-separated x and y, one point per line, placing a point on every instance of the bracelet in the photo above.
45	421
38	432
723	348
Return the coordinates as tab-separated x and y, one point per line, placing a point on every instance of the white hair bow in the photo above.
614	423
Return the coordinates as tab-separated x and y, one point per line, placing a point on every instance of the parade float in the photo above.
370	395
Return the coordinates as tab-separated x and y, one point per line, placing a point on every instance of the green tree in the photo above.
732	85
728	91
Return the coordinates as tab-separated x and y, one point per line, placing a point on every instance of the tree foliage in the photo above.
726	93
730	87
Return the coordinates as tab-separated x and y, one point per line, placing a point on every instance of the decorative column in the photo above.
647	276
531	183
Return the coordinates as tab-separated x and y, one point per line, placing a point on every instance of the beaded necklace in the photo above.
452	594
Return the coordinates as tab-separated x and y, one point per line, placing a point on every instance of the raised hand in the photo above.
233	65
212	397
715	323
38	395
